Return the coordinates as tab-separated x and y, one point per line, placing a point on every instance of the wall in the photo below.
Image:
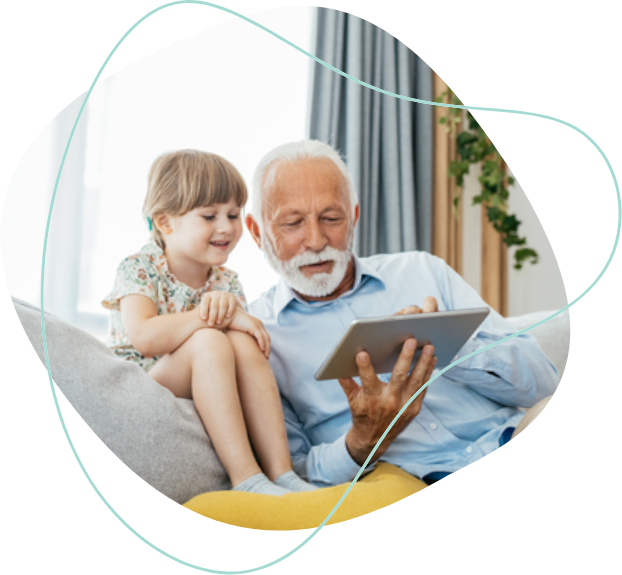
536	287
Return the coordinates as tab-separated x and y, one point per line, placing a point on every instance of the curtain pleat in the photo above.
386	141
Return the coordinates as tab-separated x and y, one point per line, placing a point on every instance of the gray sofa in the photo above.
157	435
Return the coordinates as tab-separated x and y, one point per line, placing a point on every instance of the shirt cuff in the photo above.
339	467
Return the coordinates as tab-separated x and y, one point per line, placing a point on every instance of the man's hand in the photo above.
429	305
374	404
247	323
217	308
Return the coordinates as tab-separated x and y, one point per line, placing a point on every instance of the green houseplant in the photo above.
473	147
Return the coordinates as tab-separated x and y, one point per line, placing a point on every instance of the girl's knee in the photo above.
239	338
243	342
209	339
246	346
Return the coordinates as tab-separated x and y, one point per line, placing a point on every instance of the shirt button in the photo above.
433	426
469	449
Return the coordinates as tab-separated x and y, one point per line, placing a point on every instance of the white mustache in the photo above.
308	258
319	284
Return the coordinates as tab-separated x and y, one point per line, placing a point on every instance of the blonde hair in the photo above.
182	181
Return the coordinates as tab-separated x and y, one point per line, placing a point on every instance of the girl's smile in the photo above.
200	239
220	245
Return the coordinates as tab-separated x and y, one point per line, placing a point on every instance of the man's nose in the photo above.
315	239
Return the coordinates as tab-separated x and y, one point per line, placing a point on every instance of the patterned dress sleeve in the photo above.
136	275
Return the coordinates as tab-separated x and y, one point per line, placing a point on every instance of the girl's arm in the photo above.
152	334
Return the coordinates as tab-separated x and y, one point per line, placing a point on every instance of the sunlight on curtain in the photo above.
232	89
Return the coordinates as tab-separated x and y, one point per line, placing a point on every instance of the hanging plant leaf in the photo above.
474	147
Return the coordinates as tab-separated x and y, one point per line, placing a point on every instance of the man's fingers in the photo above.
423	368
431	369
429	305
350	387
399	376
367	373
409	310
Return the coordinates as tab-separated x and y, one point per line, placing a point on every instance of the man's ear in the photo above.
253	228
357	213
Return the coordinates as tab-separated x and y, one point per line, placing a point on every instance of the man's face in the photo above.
308	225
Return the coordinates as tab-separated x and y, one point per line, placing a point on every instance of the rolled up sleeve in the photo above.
514	373
326	463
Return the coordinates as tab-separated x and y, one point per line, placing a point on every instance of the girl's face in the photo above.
205	236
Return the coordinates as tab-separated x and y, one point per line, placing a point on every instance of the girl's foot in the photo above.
289	480
261	484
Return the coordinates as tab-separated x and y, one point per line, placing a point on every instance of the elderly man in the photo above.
303	218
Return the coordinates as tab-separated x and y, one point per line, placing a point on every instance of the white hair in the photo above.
291	153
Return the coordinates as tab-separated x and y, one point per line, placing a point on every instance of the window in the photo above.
233	89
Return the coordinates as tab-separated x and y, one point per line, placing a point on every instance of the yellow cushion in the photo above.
383	486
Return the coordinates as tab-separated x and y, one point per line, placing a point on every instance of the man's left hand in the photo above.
429	305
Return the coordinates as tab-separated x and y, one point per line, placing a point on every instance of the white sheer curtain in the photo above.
233	89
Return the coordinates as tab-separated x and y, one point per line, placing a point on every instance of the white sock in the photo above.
261	484
291	481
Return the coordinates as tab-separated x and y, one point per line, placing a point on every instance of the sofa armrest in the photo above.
552	336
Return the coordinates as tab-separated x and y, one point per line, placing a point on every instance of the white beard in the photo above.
318	285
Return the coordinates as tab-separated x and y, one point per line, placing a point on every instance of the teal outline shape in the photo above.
47	228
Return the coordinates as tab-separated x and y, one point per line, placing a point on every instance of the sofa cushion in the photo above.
385	485
162	439
157	435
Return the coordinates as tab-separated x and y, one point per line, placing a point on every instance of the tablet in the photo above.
382	338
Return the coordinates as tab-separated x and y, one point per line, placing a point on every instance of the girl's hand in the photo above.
217	308
251	325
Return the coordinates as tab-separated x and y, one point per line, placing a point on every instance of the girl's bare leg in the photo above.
203	368
261	405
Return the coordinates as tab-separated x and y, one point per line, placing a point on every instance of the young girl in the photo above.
181	315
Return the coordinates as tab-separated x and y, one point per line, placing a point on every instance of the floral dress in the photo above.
146	273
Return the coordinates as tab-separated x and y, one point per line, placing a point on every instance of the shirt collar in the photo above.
284	294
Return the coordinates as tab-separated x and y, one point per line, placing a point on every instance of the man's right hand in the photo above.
374	404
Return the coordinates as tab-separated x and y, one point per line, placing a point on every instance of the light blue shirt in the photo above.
464	411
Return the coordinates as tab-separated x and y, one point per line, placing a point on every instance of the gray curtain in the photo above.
386	142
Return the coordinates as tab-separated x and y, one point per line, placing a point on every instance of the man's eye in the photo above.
332	220
292	224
